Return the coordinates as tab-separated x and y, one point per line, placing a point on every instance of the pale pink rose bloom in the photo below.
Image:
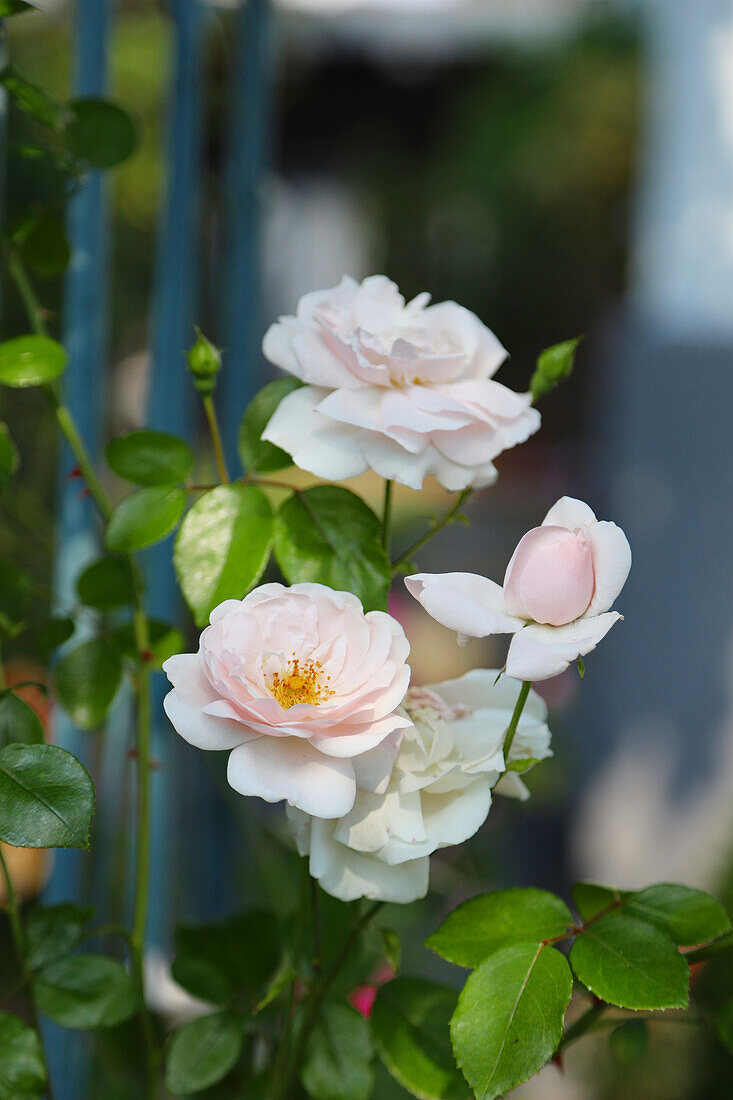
558	590
296	682
406	390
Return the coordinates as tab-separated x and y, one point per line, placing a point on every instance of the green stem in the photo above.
320	991
512	727
16	928
387	514
434	528
66	423
210	411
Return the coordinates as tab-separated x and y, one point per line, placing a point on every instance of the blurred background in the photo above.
559	167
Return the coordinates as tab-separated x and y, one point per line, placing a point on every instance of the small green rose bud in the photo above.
204	362
554	365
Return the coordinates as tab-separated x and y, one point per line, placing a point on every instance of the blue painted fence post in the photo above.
173	399
85	335
248	153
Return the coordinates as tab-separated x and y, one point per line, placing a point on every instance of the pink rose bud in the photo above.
550	578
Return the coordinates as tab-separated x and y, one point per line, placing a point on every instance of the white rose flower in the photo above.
425	788
406	390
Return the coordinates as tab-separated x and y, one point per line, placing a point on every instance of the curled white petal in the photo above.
539	652
465	602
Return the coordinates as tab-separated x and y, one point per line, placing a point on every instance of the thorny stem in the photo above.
512	727
70	432
434	528
16	928
320	991
221	463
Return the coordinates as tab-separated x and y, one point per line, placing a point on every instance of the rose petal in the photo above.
465	602
569	512
185	704
275	768
539	652
349	875
322	446
611	564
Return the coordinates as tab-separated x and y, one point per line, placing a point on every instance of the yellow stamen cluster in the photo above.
300	682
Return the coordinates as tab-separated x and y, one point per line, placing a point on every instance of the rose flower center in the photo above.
300	682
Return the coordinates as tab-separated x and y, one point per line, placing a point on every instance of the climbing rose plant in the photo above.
304	680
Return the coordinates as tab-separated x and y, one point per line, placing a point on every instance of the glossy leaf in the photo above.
150	458
30	361
202	1051
18	722
688	916
106	584
590	898
9	457
100	132
509	1018
46	798
222	547
629	963
483	925
215	961
410	1026
45	246
15	7
257	455
22	1071
86	991
33	101
144	518
53	633
329	535
85	681
629	1041
338	1058
53	931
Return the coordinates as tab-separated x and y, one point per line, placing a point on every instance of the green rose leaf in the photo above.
100	132
410	1023
22	1072
9	457
18	722
629	963
53	633
85	681
483	925
329	535
222	547
144	518
202	1051
590	899
629	1041
30	361
85	991
46	798
338	1058
165	640
688	916
509	1018
52	932
215	961
33	101
45	246
105	584
150	458
15	7
722	1022
257	455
